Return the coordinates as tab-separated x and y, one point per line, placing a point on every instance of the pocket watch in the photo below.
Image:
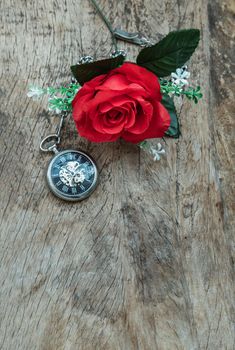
71	175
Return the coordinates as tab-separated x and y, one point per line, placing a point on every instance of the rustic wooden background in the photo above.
146	262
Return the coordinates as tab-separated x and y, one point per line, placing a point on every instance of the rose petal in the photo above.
131	117
140	75
143	117
86	130
111	123
108	96
105	106
160	122
121	100
114	82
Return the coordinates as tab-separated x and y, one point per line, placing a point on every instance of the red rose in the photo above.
122	103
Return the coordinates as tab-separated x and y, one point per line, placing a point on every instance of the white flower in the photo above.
156	153
180	76
35	92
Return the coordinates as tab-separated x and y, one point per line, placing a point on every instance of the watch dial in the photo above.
72	175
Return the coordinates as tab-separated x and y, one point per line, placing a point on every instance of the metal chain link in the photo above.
50	142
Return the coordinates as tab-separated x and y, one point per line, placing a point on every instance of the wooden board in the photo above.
146	262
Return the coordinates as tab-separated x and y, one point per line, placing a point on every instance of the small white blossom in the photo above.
35	92
156	153
180	76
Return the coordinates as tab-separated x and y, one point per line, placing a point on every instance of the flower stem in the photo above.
106	21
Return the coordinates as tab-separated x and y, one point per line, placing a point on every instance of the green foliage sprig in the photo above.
60	98
169	88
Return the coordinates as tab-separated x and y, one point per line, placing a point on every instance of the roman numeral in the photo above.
65	188
70	156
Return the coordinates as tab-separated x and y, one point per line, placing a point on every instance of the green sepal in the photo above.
87	71
172	52
174	128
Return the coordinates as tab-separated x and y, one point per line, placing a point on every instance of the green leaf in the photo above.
174	129
170	53
87	71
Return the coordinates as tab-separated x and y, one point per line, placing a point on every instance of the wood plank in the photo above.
146	262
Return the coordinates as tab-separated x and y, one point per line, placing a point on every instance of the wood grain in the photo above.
147	262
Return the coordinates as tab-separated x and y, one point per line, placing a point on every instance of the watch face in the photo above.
72	175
